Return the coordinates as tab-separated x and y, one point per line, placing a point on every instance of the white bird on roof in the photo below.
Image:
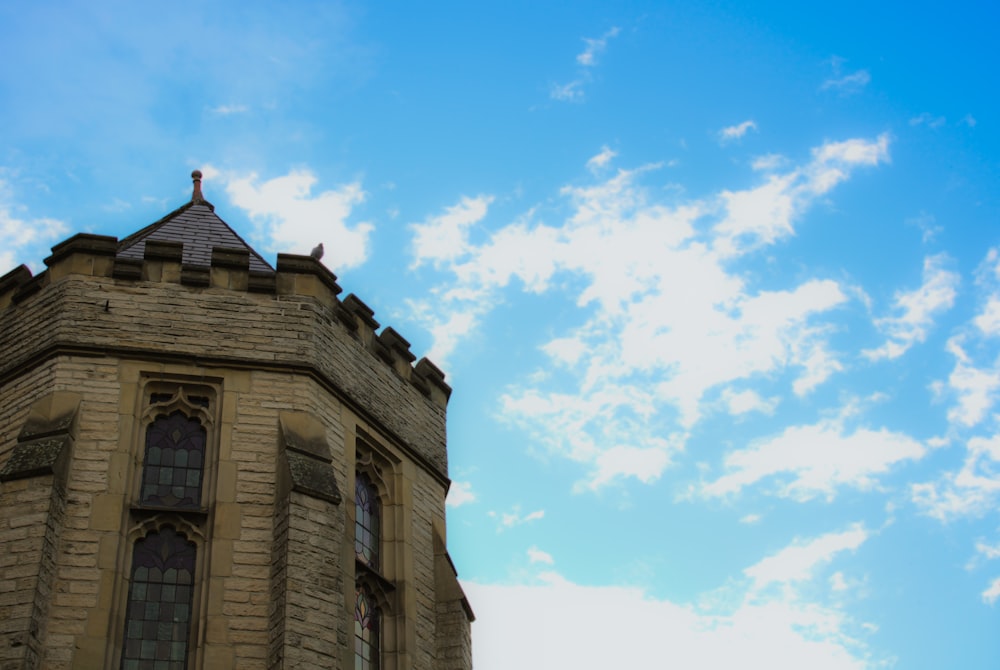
317	251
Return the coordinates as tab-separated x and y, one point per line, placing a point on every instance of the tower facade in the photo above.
207	462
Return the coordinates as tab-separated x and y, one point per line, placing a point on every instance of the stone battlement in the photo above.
93	301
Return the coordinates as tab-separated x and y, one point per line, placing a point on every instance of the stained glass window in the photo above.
174	462
366	520
366	620
158	616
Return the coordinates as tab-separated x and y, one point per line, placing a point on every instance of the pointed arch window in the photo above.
367	619
174	462
367	521
158	613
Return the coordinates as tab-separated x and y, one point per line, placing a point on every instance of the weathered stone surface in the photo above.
312	477
37	457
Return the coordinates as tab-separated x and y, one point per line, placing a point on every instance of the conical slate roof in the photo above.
198	227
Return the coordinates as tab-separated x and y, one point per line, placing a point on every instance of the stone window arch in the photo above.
376	523
162	595
176	448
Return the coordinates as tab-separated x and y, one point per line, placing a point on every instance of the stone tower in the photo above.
183	429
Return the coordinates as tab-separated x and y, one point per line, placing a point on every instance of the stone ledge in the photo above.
30	459
83	243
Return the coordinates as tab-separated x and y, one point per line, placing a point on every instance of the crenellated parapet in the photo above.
91	298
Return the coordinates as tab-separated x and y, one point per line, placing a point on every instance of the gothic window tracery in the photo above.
158	614
174	462
366	630
367	521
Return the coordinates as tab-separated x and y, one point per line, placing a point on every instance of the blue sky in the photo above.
718	288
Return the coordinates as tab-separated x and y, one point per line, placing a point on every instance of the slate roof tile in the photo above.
199	228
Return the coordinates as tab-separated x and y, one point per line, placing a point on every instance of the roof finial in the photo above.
196	196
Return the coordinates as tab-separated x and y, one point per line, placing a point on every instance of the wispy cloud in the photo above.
569	92
573	91
601	160
515	517
117	205
445	237
731	133
595	47
769	162
992	594
928	119
748	400
536	555
816	460
800	560
845	83
987	322
974	385
971	491
917	309
229	110
927	225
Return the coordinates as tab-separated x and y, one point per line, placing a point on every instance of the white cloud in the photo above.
766	213
926	223
991	594
117	205
515	518
816	460
747	401
663	317
847	84
989	552
800	560
536	555
750	519
595	47
23	236
289	218
928	120
848	153
569	92
731	133
988	322
587	60
445	237
971	491
975	387
916	310
229	110
779	632
644	463
769	162
988	278
460	494
601	160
